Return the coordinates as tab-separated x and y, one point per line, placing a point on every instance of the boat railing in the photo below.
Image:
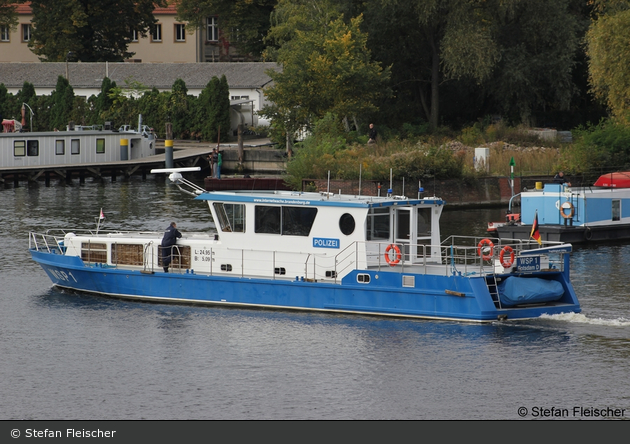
456	255
45	242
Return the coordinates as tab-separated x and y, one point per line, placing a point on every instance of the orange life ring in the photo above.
571	208
504	251
397	256
489	243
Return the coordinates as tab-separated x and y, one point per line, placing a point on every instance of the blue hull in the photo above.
435	297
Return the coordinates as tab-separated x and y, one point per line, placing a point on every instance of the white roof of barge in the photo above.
314	199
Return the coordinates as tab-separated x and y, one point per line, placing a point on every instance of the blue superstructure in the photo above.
572	214
321	252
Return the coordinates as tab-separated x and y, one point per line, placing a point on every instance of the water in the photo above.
68	356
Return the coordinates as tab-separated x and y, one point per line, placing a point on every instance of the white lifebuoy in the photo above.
397	255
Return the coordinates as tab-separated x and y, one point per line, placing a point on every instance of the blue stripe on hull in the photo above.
383	296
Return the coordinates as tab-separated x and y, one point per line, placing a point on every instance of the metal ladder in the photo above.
493	288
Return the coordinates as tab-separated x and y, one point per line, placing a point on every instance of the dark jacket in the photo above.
170	236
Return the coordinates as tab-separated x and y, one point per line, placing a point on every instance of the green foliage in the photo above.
327	150
326	66
62	103
93	31
598	149
8	15
609	58
250	17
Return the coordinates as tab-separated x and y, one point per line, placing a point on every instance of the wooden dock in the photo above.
187	155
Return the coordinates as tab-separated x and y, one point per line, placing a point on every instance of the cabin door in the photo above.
405	232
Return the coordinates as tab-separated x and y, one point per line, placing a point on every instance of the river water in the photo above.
69	356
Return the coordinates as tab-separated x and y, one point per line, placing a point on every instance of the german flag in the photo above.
535	234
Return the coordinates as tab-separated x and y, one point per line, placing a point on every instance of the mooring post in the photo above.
168	146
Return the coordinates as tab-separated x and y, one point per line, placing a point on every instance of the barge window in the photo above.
75	146
378	224
100	146
19	148
616	209
231	217
32	148
287	221
60	147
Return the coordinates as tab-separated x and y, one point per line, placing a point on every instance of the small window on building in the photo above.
26	33
156	33
19	148
100	146
212	29
180	32
32	148
75	146
5	35
134	35
60	147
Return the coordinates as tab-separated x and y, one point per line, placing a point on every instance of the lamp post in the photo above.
32	113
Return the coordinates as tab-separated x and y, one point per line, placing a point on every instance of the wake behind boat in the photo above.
318	252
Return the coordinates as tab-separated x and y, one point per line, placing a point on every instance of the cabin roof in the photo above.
246	75
313	199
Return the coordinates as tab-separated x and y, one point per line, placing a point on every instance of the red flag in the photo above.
102	216
535	234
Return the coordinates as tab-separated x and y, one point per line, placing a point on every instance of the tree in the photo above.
180	109
436	41
249	19
326	67
62	103
92	31
609	58
538	58
8	15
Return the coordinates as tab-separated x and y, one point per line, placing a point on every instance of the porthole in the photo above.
363	278
346	224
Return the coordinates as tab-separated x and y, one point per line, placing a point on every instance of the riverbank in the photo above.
481	192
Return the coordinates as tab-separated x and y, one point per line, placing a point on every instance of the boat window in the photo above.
75	146
297	221
127	254
267	220
94	252
231	217
100	146
19	148
32	148
424	222
378	224
616	209
60	147
347	224
287	221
